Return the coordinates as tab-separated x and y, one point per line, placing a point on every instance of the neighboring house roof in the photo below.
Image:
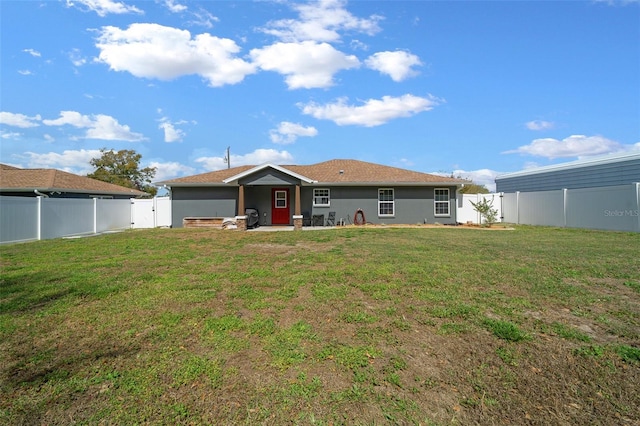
578	164
13	179
334	172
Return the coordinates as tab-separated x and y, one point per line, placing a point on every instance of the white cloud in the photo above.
171	134
573	146
170	170
373	112
73	161
395	64
76	58
321	21
306	65
105	7
202	18
10	135
98	126
165	53
72	118
257	157
19	120
32	52
539	125
25	72
174	7
287	132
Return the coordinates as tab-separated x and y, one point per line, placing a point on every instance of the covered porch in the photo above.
276	194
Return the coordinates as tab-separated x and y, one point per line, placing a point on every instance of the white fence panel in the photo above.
62	217
112	215
510	207
18	219
612	208
163	211
467	213
541	208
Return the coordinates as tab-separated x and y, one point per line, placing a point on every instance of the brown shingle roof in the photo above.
49	180
333	171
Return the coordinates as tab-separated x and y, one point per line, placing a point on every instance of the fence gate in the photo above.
143	213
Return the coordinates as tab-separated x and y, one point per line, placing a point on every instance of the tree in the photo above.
123	168
486	210
473	188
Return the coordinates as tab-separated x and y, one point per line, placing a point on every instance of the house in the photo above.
297	195
610	170
58	184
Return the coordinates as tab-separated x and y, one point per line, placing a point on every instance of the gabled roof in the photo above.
13	179
267	166
336	172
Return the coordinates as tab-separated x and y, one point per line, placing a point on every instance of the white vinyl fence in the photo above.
466	213
615	208
40	218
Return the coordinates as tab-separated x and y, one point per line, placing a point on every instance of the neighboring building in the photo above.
385	194
610	170
58	184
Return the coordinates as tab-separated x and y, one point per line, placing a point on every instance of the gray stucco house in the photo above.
297	195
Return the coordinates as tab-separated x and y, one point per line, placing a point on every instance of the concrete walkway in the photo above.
288	228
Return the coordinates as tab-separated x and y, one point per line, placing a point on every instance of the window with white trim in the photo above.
386	203
321	197
441	202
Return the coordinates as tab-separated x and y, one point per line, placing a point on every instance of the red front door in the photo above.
280	206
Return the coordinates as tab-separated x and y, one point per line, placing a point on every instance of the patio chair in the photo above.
306	219
331	219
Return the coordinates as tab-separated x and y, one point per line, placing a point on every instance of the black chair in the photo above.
306	219
331	219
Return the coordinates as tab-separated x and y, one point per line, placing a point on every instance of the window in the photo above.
321	198
281	199
386	205
441	202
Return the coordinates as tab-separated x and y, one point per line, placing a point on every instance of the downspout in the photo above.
40	194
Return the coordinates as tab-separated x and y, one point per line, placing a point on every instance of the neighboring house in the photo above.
58	184
284	195
611	170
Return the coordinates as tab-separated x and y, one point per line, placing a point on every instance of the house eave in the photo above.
71	191
392	184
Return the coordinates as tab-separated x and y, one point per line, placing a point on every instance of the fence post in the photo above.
95	215
39	216
638	203
564	206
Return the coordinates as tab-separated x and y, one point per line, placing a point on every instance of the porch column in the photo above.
241	200
297	217
241	219
297	206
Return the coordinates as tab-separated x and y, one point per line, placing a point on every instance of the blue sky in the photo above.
470	88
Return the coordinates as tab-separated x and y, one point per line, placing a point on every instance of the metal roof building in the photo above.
611	170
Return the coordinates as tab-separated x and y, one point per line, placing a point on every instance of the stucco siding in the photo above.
202	202
412	205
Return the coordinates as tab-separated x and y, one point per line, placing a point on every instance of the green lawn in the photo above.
431	326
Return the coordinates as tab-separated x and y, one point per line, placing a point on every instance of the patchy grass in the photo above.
349	326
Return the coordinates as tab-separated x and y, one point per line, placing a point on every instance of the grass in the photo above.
349	326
